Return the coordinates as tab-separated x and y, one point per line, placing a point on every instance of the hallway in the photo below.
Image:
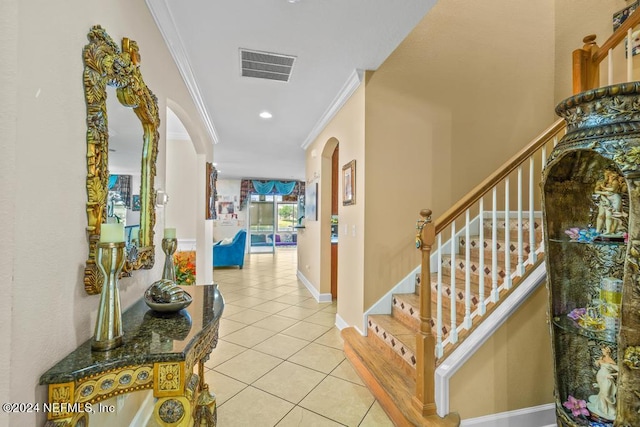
279	359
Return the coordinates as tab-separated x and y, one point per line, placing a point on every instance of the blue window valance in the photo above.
267	187
289	190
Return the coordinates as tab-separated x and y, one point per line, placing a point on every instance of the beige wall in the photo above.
182	173
462	93
44	128
347	129
512	370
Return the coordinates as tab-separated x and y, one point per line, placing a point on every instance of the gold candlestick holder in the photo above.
169	247
108	334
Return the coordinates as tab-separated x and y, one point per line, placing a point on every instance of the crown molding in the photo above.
350	86
166	24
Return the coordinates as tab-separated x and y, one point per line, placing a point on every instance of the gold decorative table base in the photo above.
160	352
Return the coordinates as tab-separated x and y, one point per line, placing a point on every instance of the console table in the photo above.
160	352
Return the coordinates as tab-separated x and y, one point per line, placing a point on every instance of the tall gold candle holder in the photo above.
108	333
169	246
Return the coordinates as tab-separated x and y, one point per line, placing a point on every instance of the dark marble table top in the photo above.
149	337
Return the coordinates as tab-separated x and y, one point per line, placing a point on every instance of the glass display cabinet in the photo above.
591	208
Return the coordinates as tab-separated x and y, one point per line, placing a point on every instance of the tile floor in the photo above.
279	359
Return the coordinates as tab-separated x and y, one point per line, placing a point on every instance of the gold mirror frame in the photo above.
105	65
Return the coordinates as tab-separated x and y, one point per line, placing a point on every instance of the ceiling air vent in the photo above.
264	65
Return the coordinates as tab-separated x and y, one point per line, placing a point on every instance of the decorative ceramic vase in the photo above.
108	332
591	181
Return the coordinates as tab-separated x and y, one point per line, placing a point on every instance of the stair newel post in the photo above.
586	72
424	399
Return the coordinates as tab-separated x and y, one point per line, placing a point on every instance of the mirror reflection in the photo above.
125	157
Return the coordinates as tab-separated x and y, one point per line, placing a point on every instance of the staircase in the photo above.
480	255
398	330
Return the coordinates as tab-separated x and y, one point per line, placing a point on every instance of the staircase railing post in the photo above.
586	72
424	399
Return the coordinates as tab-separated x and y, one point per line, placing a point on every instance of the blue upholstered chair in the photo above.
231	254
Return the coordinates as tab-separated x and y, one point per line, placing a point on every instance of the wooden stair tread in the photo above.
396	328
391	387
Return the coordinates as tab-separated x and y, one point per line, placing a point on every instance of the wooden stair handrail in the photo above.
618	35
586	60
501	173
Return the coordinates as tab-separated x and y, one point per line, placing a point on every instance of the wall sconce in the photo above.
162	198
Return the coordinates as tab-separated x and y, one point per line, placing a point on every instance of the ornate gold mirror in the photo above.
105	65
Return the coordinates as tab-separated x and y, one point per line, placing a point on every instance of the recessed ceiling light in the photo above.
266	115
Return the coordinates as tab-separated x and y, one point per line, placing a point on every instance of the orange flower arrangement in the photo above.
185	263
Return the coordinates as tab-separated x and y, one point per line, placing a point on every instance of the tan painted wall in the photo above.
512	370
347	127
181	211
41	47
469	86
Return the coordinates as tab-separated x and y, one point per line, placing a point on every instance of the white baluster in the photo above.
555	141
520	268
629	55
610	67
439	347
507	236
544	163
483	305
532	228
467	274
494	247
453	334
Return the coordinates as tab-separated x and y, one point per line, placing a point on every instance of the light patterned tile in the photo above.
248	366
281	346
290	381
296	312
339	400
248	316
249	336
306	331
376	417
253	407
224	351
222	386
272	307
318	357
300	417
331	338
228	327
276	323
320	318
346	372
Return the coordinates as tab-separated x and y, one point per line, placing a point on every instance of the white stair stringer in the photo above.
487	327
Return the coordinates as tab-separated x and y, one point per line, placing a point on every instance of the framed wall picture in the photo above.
349	183
211	196
311	202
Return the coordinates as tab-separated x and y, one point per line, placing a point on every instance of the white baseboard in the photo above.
321	298
536	416
341	324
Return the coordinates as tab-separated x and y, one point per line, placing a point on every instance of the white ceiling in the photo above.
332	40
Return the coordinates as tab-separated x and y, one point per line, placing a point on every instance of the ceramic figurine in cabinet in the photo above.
609	192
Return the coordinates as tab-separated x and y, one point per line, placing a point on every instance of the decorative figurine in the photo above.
604	403
609	191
